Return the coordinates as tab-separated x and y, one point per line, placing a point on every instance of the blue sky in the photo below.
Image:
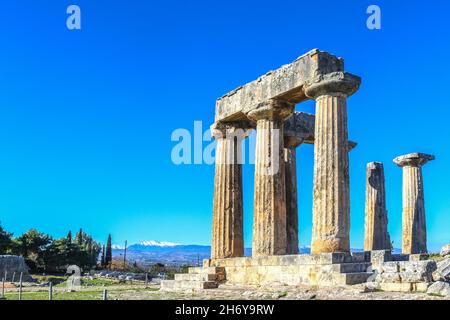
86	116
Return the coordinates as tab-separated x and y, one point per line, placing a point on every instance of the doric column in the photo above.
227	231
298	129
331	203
414	235
376	236
290	162
269	213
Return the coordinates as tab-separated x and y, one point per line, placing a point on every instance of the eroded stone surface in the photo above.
269	213
439	288
376	236
443	270
228	233
414	235
286	83
331	202
405	275
445	251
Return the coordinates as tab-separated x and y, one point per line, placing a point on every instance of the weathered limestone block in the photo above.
13	265
418	257
269	214
403	286
406	272
331	198
379	257
227	231
390	266
376	233
424	267
445	251
443	271
439	288
414	237
286	83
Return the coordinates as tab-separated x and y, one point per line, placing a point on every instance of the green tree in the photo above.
69	236
79	237
32	246
102	261
6	243
108	253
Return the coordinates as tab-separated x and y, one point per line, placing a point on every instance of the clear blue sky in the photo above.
86	116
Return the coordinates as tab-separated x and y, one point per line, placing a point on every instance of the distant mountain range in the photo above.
151	252
170	253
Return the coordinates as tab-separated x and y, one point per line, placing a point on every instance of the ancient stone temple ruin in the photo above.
267	105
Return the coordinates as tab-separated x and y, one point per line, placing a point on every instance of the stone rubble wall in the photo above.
405	276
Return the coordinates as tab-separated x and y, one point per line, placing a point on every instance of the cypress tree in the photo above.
80	237
102	262
108	253
69	236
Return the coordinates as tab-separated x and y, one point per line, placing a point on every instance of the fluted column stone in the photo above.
269	214
376	236
290	160
331	198
414	233
227	231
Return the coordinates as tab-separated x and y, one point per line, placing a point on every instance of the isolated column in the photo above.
227	231
331	199
375	229
269	214
414	236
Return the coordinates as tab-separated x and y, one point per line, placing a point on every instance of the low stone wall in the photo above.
12	266
303	269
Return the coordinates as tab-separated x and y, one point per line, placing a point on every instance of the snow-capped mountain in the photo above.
153	243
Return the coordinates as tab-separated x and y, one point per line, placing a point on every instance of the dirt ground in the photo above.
227	292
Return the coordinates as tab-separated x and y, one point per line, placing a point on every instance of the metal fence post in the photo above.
50	291
20	286
3	287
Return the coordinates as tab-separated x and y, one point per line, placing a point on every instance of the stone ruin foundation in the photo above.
268	105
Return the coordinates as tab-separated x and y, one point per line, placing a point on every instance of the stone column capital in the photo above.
292	141
335	83
374	165
416	159
241	129
272	110
352	145
299	129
